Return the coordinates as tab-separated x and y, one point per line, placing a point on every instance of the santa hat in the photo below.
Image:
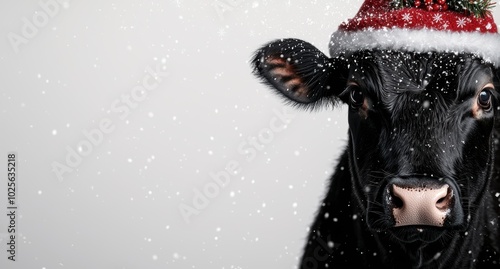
421	26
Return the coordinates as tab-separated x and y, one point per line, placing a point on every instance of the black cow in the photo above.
417	185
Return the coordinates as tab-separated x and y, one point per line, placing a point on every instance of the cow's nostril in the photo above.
396	201
444	202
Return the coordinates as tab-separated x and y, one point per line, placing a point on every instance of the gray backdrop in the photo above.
143	140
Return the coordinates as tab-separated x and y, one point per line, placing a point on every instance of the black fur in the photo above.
420	123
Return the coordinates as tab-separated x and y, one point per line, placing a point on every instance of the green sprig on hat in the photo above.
478	8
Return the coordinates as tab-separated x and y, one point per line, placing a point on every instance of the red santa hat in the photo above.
421	26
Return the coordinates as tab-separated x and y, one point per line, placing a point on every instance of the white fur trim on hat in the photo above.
485	45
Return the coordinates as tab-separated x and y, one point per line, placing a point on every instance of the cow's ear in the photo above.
300	72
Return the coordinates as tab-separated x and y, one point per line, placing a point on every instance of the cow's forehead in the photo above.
417	78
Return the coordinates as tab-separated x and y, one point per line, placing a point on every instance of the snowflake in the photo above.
437	17
178	3
445	25
461	22
488	26
407	17
221	32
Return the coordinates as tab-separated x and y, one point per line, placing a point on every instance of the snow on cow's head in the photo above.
422	90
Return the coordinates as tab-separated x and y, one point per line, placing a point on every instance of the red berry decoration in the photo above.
444	7
442	2
436	7
417	3
428	2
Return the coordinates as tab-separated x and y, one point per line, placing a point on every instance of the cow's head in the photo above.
420	129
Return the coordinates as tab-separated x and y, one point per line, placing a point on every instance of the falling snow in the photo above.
177	144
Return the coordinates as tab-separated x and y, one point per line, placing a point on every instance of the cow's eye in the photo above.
484	98
357	96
